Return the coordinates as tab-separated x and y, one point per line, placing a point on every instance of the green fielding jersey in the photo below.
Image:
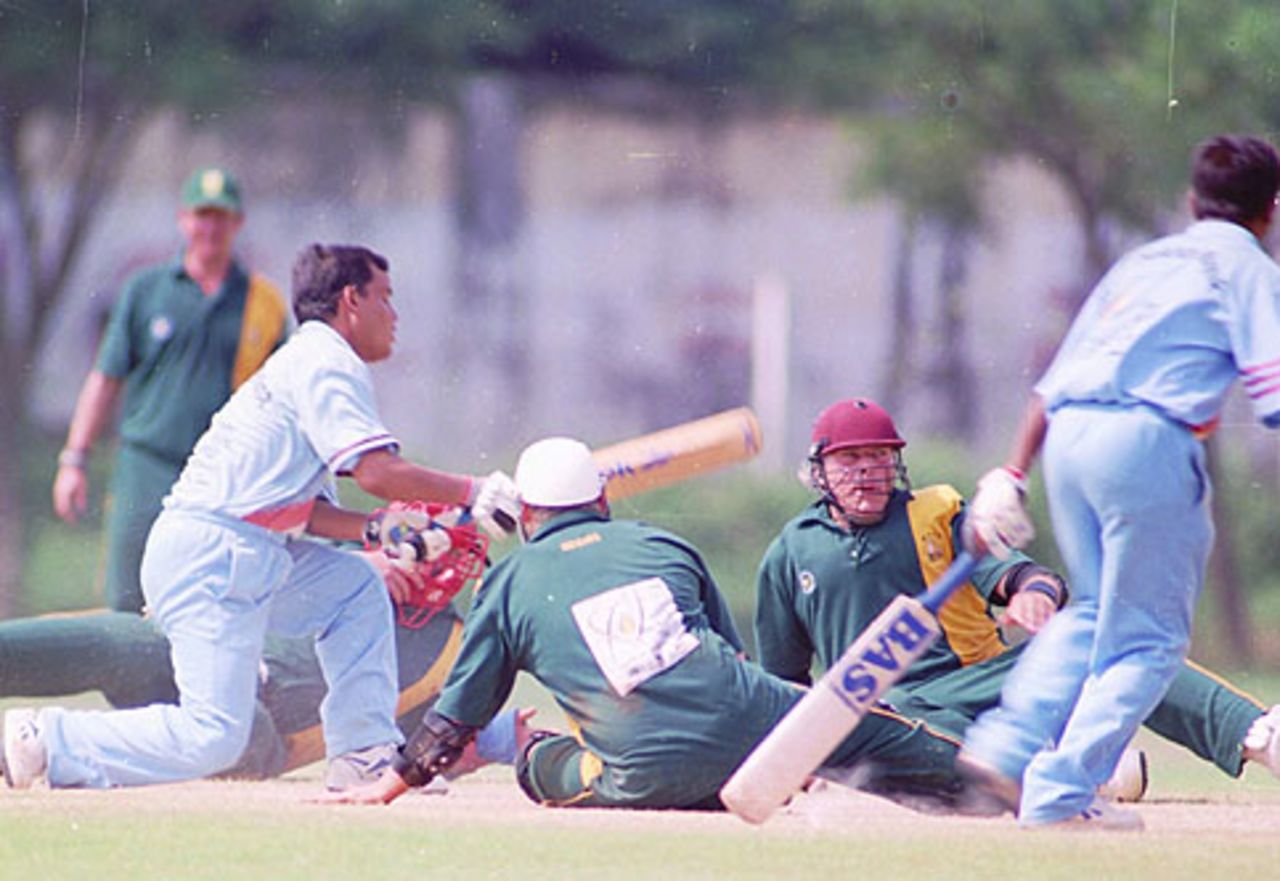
819	585
176	349
623	624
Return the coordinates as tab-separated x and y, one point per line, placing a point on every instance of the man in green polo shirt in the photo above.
871	536
182	336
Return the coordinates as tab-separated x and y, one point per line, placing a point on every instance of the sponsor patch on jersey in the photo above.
634	632
932	550
581	541
807	582
161	328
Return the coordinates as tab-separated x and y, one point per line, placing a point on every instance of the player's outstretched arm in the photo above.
435	746
387	475
382	791
998	520
492	499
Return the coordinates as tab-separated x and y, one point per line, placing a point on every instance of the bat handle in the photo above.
952	580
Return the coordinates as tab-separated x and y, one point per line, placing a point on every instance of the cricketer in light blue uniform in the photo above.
224	565
1144	368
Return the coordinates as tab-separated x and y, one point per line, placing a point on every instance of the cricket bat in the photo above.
779	765
681	452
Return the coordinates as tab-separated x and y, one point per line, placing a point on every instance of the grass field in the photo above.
485	829
1201	825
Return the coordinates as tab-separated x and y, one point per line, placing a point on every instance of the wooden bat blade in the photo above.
779	765
679	453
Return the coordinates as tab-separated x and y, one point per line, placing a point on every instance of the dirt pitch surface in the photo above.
492	799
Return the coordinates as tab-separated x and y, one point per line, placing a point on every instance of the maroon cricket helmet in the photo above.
856	422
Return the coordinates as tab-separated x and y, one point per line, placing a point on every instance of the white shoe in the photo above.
358	767
1129	782
1100	814
25	759
1262	743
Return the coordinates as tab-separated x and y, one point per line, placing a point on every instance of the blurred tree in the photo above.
92	73
89	75
1108	97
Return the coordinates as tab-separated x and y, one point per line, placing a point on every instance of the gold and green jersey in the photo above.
820	585
181	352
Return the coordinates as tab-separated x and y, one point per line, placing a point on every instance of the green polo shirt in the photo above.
589	595
819	586
175	349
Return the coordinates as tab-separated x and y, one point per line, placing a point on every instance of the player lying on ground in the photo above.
225	563
625	627
870	536
126	658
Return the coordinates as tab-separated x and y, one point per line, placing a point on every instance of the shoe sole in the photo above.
1083	823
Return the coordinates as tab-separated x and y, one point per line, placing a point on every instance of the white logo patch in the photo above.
807	582
161	328
634	632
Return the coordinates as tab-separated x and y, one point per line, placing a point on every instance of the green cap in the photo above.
211	188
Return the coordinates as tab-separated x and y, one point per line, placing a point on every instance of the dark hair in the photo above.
1235	178
321	272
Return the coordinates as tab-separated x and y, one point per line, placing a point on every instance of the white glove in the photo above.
997	520
497	504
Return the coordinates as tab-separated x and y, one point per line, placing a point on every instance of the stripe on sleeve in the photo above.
369	443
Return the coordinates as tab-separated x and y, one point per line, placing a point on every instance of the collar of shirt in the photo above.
1223	231
320	328
565	520
234	271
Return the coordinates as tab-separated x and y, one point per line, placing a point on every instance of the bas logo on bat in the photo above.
900	641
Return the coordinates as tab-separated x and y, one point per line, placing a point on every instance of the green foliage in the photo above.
61	564
1110	97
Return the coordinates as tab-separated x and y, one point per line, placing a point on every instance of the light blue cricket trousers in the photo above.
215	587
1129	498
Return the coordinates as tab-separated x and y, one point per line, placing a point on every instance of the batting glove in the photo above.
997	519
497	504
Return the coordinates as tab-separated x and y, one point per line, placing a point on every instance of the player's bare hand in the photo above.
1030	610
384	790
402	584
509	748
524	731
71	493
997	520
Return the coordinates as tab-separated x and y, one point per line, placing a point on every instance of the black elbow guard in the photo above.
1038	579
433	748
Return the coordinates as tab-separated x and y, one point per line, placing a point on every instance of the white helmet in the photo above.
558	472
